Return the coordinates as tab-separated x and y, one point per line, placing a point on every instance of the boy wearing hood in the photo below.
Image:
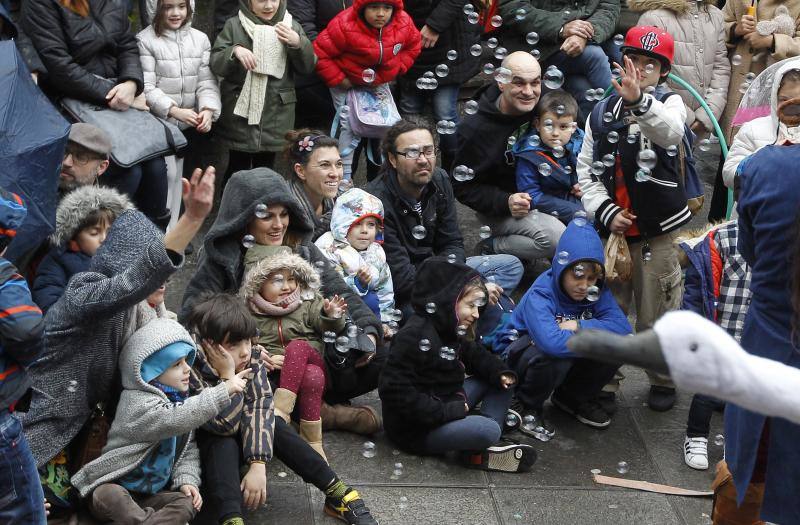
566	298
150	466
354	247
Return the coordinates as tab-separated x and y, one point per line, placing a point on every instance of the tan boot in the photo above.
311	432
284	400
359	420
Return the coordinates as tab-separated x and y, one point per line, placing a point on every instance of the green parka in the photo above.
278	115
546	17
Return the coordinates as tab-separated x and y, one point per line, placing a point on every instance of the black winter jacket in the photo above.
10	13
53	274
455	32
84	56
403	251
421	390
482	146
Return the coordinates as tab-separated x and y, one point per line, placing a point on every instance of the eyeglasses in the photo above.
80	156
413	152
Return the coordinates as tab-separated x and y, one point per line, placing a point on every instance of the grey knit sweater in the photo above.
86	329
145	416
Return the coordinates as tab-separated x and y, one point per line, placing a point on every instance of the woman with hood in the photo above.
258	207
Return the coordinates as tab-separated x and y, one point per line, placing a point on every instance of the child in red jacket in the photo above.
368	44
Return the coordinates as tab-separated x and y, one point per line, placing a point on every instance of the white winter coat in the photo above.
701	56
759	132
176	72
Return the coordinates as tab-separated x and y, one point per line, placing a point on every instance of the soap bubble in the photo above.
461	330
511	419
369	449
750	77
403	502
430	308
598	168
500	53
532	38
462	173
560	109
442	70
261	210
496	21
579	270
476	50
424	345
329	337
452	54
647	254
736	60
451	258
447	353
345	184
646	158
632	138
719	440
492	43
418	232
612	137
622	467
642	175
511	140
471	107
608	160
704	145
512	335
593	293
672	150
352	331
72	386
502	75
398	470
473	17
558	151
248	241
648	69
421	83
545	169
743	87
282	474
445	127
580	218
619	40
563	257
468	8
608	117
485	232
535	53
342	344
589	95
553	78
488	68
534	140
519	14
368	75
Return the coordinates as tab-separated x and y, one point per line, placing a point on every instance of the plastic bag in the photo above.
619	264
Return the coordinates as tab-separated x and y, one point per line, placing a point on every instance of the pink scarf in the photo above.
288	305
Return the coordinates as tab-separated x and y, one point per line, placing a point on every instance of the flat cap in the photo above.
90	137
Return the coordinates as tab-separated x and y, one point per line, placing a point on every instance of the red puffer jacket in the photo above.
348	45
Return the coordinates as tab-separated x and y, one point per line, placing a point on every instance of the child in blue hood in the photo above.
546	157
564	299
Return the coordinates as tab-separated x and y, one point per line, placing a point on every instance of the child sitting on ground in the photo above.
368	44
354	247
425	396
564	299
149	469
717	286
83	218
546	157
293	318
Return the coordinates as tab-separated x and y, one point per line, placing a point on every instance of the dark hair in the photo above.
403	126
551	100
159	20
793	75
221	317
96	217
296	153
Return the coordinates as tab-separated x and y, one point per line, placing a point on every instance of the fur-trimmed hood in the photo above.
678	6
79	203
260	261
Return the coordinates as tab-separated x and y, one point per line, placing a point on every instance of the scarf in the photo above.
299	191
285	307
173	394
270	61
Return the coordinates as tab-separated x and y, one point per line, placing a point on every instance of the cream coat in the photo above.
176	72
701	57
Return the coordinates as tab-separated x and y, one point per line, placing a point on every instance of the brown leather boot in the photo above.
726	510
283	400
311	432
359	420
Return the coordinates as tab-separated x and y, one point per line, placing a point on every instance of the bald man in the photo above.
482	146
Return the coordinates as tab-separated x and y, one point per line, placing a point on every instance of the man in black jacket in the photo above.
420	215
484	146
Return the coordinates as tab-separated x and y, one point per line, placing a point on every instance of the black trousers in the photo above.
718	207
699	422
366	379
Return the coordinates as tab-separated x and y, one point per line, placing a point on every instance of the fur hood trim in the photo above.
678	6
260	261
79	203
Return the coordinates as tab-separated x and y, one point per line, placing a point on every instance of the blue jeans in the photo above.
473	432
21	495
444	102
505	270
589	70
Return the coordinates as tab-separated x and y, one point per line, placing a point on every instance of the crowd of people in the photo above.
576	157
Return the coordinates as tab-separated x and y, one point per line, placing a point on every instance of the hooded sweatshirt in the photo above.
65	259
350	208
221	264
422	389
760	131
546	304
146	421
307	321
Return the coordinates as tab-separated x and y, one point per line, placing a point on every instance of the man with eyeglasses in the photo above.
85	157
485	148
420	217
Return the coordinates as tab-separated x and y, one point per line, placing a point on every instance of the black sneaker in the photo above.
608	402
533	423
661	398
589	413
350	509
506	456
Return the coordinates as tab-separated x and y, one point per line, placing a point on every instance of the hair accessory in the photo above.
307	144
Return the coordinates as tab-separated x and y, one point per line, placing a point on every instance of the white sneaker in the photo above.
695	452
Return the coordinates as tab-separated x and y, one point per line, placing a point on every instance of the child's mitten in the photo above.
782	23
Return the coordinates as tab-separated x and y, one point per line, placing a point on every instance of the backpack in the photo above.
372	111
695	191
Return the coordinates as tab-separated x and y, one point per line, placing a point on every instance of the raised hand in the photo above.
628	85
334	307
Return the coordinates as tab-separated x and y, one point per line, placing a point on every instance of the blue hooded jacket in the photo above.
550	193
545	304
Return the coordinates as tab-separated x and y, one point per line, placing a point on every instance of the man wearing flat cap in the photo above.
85	157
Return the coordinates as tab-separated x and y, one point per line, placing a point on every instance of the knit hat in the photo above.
157	363
76	206
12	214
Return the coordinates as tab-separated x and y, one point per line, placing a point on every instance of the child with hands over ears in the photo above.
293	319
150	466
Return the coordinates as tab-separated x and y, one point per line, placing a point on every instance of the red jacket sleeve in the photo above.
327	47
